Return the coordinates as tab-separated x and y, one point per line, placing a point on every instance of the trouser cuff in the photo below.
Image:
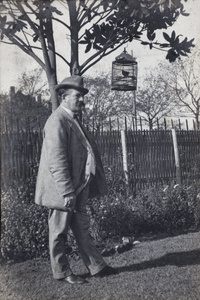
62	275
98	268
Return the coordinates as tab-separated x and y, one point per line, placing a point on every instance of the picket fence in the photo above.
150	155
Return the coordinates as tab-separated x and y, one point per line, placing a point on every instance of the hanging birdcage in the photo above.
124	72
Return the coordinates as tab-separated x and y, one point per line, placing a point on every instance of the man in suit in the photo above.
70	171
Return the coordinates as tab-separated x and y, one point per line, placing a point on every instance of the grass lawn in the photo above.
161	269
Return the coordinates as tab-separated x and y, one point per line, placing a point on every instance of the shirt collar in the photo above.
68	111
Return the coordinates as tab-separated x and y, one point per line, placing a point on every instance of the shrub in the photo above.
24	224
156	209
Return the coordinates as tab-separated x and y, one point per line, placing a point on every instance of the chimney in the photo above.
12	93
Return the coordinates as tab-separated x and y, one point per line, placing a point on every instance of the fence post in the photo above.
158	125
165	124
124	155
140	123
110	123
176	156
125	122
133	122
194	125
187	125
179	124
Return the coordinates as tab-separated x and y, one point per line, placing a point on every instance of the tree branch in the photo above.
17	41
33	25
63	23
58	54
84	13
102	16
101	53
62	58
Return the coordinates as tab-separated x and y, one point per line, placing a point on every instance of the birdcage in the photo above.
124	72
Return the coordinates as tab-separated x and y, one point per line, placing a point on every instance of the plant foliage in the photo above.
154	210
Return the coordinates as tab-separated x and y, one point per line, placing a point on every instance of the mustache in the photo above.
81	104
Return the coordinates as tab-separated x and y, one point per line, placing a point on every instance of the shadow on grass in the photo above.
179	259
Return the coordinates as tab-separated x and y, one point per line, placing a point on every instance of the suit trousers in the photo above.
79	222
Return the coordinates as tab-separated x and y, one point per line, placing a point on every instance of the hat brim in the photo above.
69	86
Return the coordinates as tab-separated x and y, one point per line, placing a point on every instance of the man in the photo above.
70	171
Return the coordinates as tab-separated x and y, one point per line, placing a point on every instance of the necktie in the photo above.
75	116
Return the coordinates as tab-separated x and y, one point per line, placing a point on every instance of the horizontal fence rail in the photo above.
150	155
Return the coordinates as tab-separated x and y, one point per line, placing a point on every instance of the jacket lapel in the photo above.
73	126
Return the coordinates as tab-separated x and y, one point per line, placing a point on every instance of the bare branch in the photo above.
61	22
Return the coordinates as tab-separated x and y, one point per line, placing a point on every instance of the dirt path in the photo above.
165	269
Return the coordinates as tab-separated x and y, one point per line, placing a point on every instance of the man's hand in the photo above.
70	201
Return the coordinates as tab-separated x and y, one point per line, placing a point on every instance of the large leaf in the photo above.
88	47
3	21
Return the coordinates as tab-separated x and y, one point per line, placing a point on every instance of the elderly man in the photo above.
70	171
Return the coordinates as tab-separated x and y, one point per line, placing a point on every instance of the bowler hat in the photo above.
73	82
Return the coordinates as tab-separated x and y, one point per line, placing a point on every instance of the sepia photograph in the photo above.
100	149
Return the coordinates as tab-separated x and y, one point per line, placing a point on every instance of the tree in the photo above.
105	106
100	102
102	26
30	83
22	111
183	78
155	100
24	107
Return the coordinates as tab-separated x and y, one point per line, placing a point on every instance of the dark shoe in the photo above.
106	271
74	279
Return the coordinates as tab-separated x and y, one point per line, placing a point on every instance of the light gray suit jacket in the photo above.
62	163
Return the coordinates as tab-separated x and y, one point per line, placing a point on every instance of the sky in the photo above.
14	62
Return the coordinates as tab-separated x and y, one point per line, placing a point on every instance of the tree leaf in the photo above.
173	35
145	43
22	17
167	37
35	38
164	45
55	10
88	34
83	42
3	21
89	15
151	35
183	13
87	49
172	55
95	46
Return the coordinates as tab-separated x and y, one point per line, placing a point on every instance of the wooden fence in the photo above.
36	123
150	155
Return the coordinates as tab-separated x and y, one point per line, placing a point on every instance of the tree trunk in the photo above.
52	76
48	49
74	27
150	124
54	97
197	120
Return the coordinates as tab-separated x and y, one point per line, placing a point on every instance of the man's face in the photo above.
74	100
